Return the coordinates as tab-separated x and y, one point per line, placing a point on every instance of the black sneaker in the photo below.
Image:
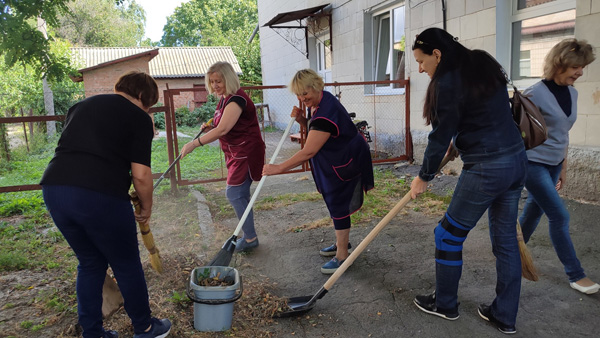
332	250
426	303
160	329
485	312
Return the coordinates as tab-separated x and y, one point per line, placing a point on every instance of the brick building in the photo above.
177	67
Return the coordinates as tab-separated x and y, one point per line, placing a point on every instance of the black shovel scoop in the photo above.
300	305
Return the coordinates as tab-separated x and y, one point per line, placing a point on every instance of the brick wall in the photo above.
185	99
102	80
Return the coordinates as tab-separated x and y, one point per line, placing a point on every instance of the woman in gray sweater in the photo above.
547	167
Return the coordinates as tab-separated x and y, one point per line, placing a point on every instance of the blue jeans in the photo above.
239	197
101	229
543	198
494	186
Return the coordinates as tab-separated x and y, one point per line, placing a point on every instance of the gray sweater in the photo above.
554	150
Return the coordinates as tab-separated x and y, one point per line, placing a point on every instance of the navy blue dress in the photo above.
342	168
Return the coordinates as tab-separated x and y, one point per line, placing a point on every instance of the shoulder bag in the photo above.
529	119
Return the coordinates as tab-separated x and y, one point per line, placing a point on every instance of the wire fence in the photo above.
382	106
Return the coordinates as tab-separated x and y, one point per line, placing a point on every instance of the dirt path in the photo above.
374	297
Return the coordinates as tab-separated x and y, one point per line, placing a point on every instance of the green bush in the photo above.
207	110
159	120
185	117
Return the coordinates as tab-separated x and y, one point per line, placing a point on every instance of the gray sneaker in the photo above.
241	245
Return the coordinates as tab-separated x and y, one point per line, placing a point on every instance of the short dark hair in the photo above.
139	85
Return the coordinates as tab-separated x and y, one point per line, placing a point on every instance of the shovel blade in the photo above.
300	305
297	306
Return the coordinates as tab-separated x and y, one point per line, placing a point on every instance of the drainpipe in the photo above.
444	13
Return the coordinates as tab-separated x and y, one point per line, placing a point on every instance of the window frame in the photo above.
505	20
373	34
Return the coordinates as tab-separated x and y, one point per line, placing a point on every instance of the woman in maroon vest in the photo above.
235	125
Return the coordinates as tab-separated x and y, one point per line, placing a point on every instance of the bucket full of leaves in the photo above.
214	289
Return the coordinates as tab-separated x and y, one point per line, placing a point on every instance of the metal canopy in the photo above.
288	32
293	16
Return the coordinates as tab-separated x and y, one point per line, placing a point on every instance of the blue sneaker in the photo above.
241	245
160	329
111	334
331	266
331	250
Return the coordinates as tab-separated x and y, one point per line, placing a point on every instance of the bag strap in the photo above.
510	82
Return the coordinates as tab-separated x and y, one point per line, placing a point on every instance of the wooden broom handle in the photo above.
365	242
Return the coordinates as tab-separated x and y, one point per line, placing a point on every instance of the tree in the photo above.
102	23
22	43
218	23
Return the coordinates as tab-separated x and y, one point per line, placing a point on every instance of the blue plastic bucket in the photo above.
213	305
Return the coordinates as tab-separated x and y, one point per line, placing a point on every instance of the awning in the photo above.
301	17
293	16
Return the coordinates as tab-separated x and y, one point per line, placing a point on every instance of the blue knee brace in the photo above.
449	238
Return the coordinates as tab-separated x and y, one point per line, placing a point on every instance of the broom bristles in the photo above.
527	268
223	258
155	262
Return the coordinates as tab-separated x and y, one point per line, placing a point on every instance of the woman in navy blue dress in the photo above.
339	157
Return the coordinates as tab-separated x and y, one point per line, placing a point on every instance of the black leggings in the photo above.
342	224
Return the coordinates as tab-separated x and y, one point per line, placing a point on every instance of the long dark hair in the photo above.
480	73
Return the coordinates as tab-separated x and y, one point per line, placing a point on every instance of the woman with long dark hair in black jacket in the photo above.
467	105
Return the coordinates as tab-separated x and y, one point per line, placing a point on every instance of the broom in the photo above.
223	257
111	295
527	268
147	236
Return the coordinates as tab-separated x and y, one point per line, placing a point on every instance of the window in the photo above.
324	59
384	48
537	25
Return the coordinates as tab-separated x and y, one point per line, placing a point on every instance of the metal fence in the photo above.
387	115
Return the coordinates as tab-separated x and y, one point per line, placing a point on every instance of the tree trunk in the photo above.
30	124
48	95
4	146
25	131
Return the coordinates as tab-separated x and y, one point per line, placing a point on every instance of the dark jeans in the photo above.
101	229
543	198
494	186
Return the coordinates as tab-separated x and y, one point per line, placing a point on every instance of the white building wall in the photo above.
474	23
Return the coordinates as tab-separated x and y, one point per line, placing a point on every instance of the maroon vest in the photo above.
243	145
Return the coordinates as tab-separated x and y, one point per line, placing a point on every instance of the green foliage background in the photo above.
218	23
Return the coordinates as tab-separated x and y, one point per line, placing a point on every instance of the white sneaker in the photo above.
588	290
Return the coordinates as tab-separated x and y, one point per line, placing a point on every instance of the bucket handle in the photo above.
193	298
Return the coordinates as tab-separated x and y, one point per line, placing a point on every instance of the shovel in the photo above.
223	258
300	305
111	295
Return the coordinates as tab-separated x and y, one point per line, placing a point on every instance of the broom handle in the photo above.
363	244
209	122
262	180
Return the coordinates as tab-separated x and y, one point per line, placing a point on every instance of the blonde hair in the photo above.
306	78
565	54
225	70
